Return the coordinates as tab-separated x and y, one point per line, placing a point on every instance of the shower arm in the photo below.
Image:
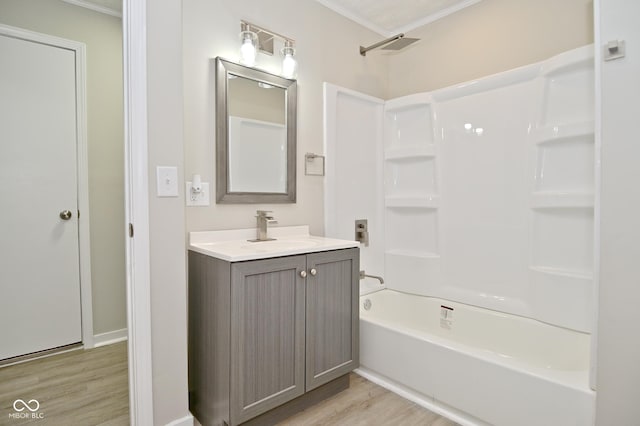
364	50
363	275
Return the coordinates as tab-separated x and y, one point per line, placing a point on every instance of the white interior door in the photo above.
39	258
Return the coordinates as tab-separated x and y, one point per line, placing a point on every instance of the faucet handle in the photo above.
263	212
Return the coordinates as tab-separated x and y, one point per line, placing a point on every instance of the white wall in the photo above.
327	50
102	35
486	38
166	215
618	373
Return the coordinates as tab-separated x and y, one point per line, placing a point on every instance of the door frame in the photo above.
134	17
82	167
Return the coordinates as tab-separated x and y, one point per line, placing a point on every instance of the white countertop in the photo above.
233	245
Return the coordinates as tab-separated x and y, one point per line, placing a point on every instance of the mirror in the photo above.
255	136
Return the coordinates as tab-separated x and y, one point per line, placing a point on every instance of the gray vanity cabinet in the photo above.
332	316
264	333
267	335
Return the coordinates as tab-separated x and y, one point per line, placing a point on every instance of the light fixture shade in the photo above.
289	64
249	48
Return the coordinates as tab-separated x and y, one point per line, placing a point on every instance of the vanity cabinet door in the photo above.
267	335
332	315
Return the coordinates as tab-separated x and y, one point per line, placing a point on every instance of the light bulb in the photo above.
289	64
248	48
248	53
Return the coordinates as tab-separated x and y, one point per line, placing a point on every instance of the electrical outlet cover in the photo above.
200	199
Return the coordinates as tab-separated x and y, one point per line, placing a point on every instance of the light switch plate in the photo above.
167	181
199	199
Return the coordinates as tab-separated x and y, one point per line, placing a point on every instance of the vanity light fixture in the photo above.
256	39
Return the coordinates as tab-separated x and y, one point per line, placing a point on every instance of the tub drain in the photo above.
367	304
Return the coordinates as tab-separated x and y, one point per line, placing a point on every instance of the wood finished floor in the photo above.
366	404
81	387
90	387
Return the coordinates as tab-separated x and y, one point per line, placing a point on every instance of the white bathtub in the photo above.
474	365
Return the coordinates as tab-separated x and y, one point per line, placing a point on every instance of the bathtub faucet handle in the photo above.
362	232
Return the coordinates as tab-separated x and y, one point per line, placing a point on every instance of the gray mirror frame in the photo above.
223	196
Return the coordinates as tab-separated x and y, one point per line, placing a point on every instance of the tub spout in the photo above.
363	274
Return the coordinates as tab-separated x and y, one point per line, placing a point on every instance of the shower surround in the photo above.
487	198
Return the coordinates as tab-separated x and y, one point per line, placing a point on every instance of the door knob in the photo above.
313	271
303	274
65	215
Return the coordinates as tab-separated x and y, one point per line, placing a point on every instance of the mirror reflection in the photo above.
257	136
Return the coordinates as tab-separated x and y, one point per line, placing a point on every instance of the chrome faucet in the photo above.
263	219
363	275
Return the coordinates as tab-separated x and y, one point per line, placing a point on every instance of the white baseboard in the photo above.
109	337
422	400
185	421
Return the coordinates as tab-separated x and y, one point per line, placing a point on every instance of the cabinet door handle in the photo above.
313	271
303	274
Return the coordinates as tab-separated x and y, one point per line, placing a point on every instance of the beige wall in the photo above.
327	50
102	35
166	215
486	38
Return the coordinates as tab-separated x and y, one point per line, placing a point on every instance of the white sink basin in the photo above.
233	246
284	244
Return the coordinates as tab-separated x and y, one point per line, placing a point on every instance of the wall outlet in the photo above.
197	198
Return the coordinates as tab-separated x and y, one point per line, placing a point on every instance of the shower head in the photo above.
401	43
396	42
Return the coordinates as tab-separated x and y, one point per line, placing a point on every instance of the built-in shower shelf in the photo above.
413	253
426	201
407	152
409	102
552	200
566	273
561	132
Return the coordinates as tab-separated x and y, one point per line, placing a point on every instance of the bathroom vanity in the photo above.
273	325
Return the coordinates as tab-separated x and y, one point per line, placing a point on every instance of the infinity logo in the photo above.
18	402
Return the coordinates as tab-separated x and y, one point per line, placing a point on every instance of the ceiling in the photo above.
386	17
390	17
